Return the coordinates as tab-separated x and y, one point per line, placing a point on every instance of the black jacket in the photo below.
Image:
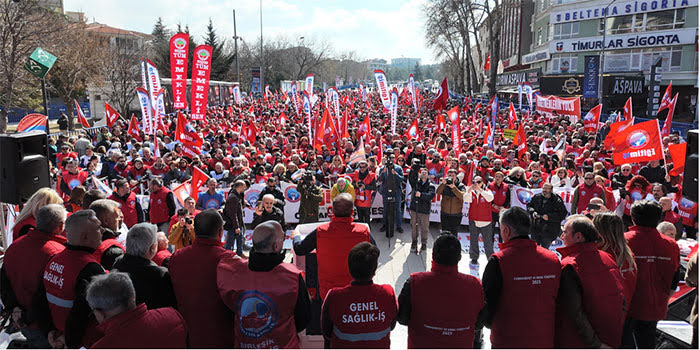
422	204
653	175
619	181
514	181
553	207
275	215
233	212
151	282
277	193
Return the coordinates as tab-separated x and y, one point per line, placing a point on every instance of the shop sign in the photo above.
619	8
625	41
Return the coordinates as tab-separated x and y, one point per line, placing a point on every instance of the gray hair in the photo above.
269	196
665	226
110	292
49	217
77	221
141	238
103	207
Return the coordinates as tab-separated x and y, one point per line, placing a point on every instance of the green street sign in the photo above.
39	63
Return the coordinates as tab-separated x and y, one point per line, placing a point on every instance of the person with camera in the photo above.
479	198
310	197
452	192
422	194
266	211
390	178
182	232
547	211
365	182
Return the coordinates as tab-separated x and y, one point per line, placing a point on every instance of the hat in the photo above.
483	158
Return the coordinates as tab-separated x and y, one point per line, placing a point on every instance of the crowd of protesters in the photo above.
607	290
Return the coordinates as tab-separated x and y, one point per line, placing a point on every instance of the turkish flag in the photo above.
81	116
111	115
512	117
615	128
628	109
440	101
590	121
133	130
520	140
412	132
199	178
487	64
363	129
666	99
666	130
677	153
251	132
440	122
638	143
453	114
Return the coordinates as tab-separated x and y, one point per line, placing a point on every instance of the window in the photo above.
642	59
565	63
539	36
565	30
660	20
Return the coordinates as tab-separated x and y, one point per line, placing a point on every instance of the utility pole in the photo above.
262	61
235	46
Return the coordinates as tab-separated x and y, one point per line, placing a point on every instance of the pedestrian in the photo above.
422	194
479	200
452	202
547	211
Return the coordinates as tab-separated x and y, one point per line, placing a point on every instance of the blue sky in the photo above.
379	28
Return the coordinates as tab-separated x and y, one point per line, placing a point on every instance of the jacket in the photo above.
276	215
233	212
310	198
423	203
151	282
387	181
553	207
143	328
276	192
452	199
583	195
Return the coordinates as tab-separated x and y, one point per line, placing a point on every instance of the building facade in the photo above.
405	63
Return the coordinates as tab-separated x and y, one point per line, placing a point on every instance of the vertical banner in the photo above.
383	88
394	108
527	89
295	97
146	110
412	88
335	100
179	47
158	109
453	115
309	84
255	72
201	68
307	111
591	71
520	97
236	94
654	89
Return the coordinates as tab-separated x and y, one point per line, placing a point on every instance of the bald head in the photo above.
268	237
342	205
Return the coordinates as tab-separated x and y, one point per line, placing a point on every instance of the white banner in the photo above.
521	196
383	88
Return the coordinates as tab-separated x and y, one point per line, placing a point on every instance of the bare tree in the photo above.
120	70
444	36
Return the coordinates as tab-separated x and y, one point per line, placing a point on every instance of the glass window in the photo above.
660	20
680	19
539	36
574	28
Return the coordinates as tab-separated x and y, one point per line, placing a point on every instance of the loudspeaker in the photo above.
24	165
690	177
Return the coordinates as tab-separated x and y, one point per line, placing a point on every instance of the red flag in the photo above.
590	121
512	117
478	107
677	153
638	143
111	115
182	191
666	130
453	114
188	136
133	130
363	129
344	124
456	134
440	101
628	109
199	178
666	99
329	133
520	140
487	64
412	132
440	122
487	133
251	132
283	119
318	131
81	116
616	128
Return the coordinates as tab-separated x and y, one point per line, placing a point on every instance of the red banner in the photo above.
592	118
201	68
179	46
550	105
638	143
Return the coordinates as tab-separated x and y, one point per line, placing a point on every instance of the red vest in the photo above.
363	198
128	208
526	307
263	303
19	225
585	194
635	195
25	260
160	257
657	258
361	315
610	200
687	209
499	194
157	207
121	172
106	244
602	296
60	276
672	217
444	308
333	243
158	172
479	208
137	174
143	328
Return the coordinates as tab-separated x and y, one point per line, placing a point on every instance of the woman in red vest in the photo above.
361	314
612	241
26	218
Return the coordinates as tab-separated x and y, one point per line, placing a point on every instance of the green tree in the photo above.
221	61
160	48
417	73
190	48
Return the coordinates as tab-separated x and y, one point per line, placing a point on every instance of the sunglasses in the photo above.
588	178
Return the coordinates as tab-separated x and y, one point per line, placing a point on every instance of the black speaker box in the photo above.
24	165
690	177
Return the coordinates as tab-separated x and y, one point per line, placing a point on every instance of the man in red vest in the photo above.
111	218
657	258
584	192
441	307
332	242
161	205
23	266
129	325
268	297
128	204
520	282
501	200
361	314
365	182
163	255
193	273
479	200
66	277
590	305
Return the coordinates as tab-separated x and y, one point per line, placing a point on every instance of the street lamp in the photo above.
602	55
262	64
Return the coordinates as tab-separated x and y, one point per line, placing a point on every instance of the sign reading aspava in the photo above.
625	41
620	8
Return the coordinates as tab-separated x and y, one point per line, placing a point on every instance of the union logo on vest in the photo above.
257	314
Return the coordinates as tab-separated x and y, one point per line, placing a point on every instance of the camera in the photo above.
448	181
307	178
188	221
388	162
